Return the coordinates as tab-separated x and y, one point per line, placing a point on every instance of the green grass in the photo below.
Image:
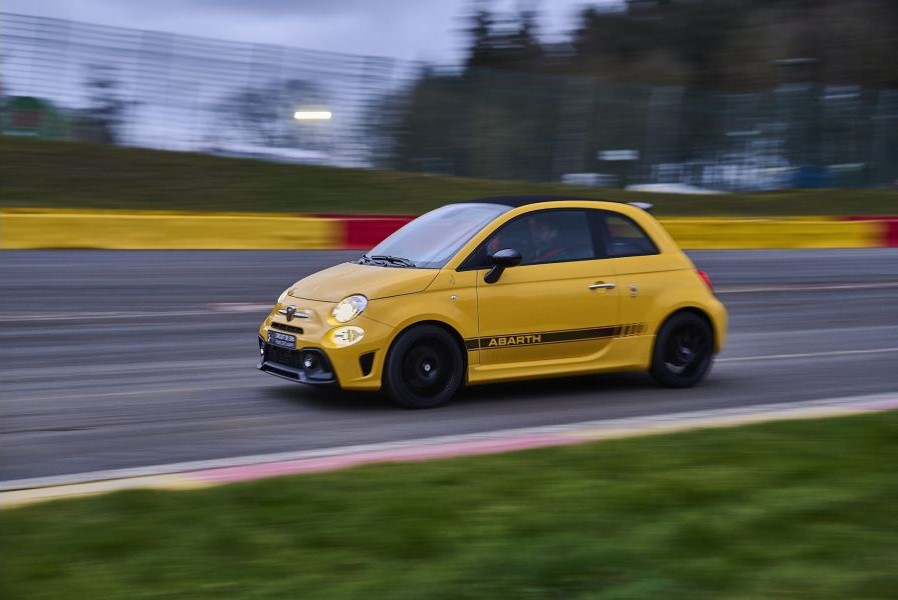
77	175
792	510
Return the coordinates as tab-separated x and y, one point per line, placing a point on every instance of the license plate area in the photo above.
282	340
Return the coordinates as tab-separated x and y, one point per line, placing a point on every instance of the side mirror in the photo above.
502	259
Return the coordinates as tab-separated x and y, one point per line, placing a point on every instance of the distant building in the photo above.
32	117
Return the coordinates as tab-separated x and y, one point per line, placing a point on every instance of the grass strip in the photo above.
45	174
782	510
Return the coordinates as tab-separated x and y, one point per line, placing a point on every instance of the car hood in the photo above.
337	282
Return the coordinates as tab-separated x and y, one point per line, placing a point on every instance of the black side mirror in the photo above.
502	259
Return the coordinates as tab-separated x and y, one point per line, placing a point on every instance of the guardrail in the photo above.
150	230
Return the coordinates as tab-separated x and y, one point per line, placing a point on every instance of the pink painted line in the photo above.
330	463
890	404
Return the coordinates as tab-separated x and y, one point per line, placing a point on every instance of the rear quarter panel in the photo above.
664	283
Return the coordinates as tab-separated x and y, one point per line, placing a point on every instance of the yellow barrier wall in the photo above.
145	230
696	234
148	231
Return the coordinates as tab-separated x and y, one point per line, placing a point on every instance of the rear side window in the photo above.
623	237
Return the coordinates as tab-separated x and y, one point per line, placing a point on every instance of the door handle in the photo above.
602	286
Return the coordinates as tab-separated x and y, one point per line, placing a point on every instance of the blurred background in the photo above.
738	95
212	136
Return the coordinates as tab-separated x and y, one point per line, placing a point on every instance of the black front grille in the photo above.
288	328
309	365
282	356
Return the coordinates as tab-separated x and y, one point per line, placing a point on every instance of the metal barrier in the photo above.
70	80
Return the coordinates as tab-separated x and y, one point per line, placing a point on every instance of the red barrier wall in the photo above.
892	233
889	232
363	233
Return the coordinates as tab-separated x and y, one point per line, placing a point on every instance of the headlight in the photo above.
349	308
348	335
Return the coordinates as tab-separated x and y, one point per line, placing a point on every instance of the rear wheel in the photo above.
424	368
684	351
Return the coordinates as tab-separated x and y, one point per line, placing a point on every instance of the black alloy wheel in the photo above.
424	368
684	351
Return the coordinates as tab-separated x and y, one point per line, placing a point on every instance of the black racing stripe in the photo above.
631	329
553	337
579	334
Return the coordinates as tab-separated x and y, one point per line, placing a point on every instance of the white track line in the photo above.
226	307
807	355
251	307
236	363
808	287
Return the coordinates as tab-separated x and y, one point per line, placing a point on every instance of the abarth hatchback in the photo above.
500	289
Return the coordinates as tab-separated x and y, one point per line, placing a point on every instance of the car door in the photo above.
561	302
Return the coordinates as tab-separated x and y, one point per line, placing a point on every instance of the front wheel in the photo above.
684	351
424	368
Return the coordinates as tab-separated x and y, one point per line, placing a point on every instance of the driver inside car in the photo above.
546	245
537	239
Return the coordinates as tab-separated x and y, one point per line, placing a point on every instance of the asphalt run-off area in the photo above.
125	360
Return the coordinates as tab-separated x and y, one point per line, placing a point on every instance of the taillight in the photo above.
706	279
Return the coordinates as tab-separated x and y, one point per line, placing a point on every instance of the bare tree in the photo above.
264	115
104	118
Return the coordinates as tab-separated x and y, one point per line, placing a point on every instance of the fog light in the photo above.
309	362
346	336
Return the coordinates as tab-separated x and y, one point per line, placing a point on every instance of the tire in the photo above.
684	351
424	368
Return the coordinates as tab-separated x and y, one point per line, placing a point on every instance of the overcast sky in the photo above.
413	29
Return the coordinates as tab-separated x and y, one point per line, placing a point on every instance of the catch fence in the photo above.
69	80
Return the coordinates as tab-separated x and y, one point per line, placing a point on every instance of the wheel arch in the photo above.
452	331
697	311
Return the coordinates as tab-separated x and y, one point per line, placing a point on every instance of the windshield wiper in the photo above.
391	260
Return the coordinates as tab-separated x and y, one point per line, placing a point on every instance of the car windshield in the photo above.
432	239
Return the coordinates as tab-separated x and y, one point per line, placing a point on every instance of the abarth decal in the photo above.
554	337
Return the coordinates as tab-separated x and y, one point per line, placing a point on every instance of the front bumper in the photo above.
306	365
355	366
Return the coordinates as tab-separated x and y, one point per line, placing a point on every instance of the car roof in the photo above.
517	201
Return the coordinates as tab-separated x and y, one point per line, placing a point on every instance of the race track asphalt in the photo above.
126	359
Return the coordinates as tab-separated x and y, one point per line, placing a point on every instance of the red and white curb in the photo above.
200	474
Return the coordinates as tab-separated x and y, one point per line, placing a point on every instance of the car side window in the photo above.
544	237
623	237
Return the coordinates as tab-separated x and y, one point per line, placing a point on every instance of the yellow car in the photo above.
500	289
